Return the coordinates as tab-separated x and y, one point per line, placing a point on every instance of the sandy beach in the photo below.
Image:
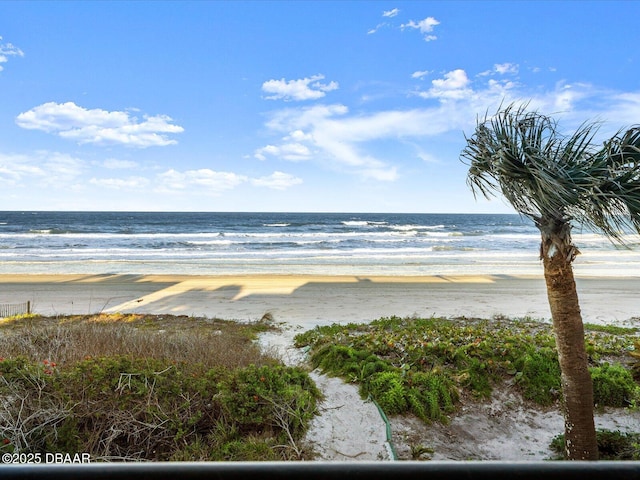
309	300
348	427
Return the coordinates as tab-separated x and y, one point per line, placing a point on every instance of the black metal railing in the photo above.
334	470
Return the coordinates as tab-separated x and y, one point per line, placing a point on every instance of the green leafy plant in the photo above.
422	365
539	376
635	353
612	445
613	386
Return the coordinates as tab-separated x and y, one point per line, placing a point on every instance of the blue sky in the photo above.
289	106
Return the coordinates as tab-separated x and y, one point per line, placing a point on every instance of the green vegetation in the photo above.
612	329
636	355
148	388
612	445
424	366
192	340
613	386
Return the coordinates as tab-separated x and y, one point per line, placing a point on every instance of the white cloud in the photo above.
425	26
376	28
383	174
62	167
342	141
339	141
504	68
261	153
309	88
427	157
210	180
277	181
97	126
39	172
115	164
370	144
287	151
420	73
567	96
454	85
384	124
295	151
15	168
130	183
501	85
453	80
390	13
290	120
298	136
624	108
41	168
386	14
8	50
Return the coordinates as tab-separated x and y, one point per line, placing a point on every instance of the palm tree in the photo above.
559	180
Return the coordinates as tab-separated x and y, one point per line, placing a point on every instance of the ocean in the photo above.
290	243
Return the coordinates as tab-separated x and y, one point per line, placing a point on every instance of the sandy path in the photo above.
347	428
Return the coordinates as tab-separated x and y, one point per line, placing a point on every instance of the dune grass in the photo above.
144	387
209	343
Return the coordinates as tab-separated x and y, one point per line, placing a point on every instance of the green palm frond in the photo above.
542	173
614	202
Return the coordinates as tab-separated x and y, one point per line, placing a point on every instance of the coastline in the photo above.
309	300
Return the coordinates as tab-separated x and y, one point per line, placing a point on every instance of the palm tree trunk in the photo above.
557	253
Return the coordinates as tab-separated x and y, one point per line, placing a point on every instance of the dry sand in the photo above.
307	301
348	427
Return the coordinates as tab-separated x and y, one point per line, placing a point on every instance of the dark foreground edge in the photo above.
335	471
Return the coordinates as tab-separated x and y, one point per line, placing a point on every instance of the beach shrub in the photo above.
635	353
388	356
613	386
612	445
475	377
429	396
164	337
259	396
611	329
320	335
387	388
346	361
397	390
30	412
601	343
539	376
125	407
